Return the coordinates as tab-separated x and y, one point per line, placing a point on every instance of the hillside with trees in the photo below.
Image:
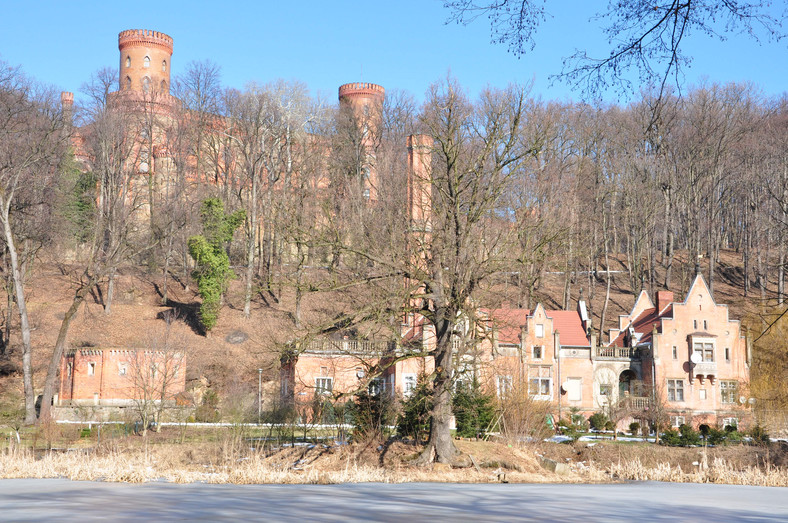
533	201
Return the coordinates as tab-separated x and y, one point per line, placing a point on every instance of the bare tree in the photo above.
156	375
32	145
647	37
111	142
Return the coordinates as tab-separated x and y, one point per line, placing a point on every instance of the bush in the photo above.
689	436
634	428
671	437
597	421
715	436
208	411
414	421
474	411
759	435
370	414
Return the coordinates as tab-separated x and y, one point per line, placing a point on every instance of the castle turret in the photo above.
67	105
364	101
145	57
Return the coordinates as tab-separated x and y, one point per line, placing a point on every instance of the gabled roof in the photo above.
570	328
643	325
509	323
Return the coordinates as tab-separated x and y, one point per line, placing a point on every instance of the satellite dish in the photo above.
360	374
565	386
742	400
696	358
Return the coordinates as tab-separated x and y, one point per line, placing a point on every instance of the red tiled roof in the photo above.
644	325
569	327
509	322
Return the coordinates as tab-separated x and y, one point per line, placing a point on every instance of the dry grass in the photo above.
135	460
720	471
227	462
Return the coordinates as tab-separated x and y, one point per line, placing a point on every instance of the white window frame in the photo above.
503	385
320	385
728	391
534	350
539	330
674	387
122	369
92	368
705	347
730	421
409	383
677	421
540	378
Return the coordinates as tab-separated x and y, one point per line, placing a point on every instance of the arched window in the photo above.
146	61
128	61
163	86
164	65
128	82
146	84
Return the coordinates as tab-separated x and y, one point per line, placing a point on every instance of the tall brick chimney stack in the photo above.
664	298
420	182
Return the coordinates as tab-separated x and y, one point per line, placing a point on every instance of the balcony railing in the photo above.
350	346
618	353
638	402
705	368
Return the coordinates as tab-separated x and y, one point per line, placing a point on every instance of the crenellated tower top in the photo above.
361	90
144	37
145	57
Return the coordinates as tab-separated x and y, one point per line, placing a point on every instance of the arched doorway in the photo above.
625	382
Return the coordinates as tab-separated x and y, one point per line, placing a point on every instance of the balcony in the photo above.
617	353
355	347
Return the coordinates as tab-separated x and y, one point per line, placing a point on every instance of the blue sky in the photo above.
402	44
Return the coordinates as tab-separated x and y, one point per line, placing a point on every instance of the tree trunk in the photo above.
110	293
250	247
21	305
60	345
440	446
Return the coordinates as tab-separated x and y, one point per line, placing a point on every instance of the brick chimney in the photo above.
663	299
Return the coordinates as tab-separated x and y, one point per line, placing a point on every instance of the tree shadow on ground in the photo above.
189	313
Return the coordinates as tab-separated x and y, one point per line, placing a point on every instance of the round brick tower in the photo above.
144	60
360	94
364	101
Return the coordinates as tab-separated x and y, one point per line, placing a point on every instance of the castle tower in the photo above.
420	182
145	58
365	103
67	105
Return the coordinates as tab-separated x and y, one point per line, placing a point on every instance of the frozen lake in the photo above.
55	499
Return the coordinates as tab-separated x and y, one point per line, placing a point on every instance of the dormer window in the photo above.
128	61
146	61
